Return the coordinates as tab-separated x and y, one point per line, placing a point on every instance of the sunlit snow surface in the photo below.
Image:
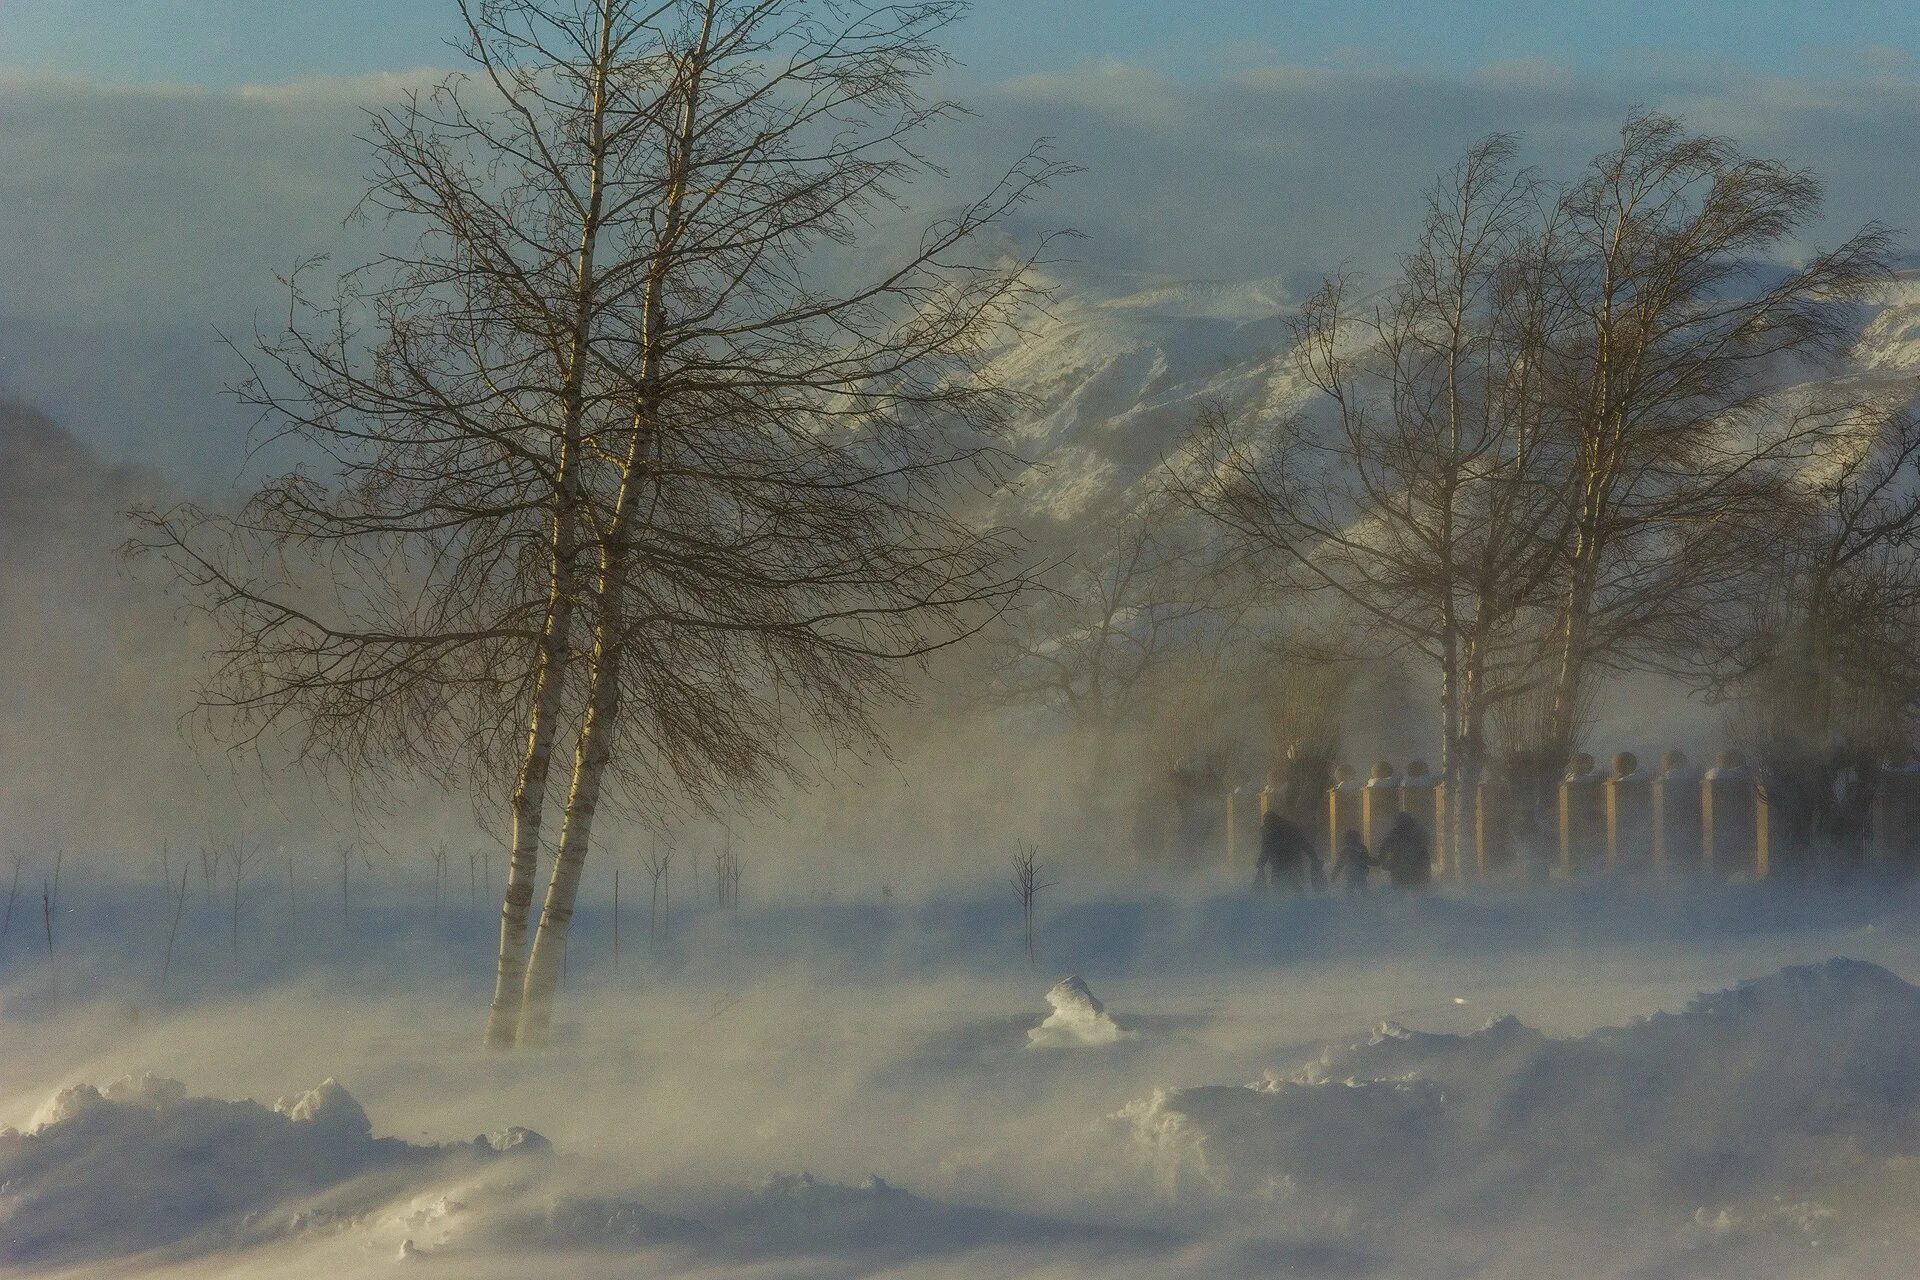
1518	1108
1078	1019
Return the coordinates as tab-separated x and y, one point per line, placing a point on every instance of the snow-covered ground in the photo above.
1447	1086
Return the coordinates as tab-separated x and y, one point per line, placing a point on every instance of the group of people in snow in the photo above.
1290	862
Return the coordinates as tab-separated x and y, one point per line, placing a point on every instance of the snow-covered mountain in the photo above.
1890	341
1118	370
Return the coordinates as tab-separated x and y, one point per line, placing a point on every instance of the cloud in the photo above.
143	216
354	90
158	204
141	219
1281	167
1883	59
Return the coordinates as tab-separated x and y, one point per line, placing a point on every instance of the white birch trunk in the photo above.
530	790
595	745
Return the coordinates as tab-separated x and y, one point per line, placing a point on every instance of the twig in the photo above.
238	857
46	917
179	905
19	861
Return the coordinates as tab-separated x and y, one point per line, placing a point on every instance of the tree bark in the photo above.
530	790
595	744
594	750
529	799
1570	664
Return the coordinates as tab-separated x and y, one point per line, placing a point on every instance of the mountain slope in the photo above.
1124	363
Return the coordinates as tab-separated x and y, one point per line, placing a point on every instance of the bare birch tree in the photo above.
1130	619
777	538
1428	507
598	440
1825	666
419	610
1680	432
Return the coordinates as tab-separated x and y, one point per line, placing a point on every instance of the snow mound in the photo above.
490	1215
328	1107
879	1224
1783	1086
141	1166
149	1091
1078	1019
142	1169
793	1215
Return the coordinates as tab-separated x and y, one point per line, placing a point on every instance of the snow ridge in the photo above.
140	1165
1781	1085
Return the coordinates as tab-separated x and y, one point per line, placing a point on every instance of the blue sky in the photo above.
221	43
1225	140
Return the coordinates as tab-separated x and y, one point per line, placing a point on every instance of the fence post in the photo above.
1629	815
1344	805
1492	827
1676	815
1583	816
1379	801
1729	817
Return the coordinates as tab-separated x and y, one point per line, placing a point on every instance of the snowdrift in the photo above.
141	1166
792	1216
142	1170
1744	1131
1774	1090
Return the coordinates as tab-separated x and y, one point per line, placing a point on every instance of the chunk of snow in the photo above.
149	1092
512	1138
69	1103
327	1106
1078	1019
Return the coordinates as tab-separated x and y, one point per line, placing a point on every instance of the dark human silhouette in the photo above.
1405	855
1352	863
1285	853
1192	788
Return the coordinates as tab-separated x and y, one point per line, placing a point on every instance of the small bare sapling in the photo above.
239	858
1028	885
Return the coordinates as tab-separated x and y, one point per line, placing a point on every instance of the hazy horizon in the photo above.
161	171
